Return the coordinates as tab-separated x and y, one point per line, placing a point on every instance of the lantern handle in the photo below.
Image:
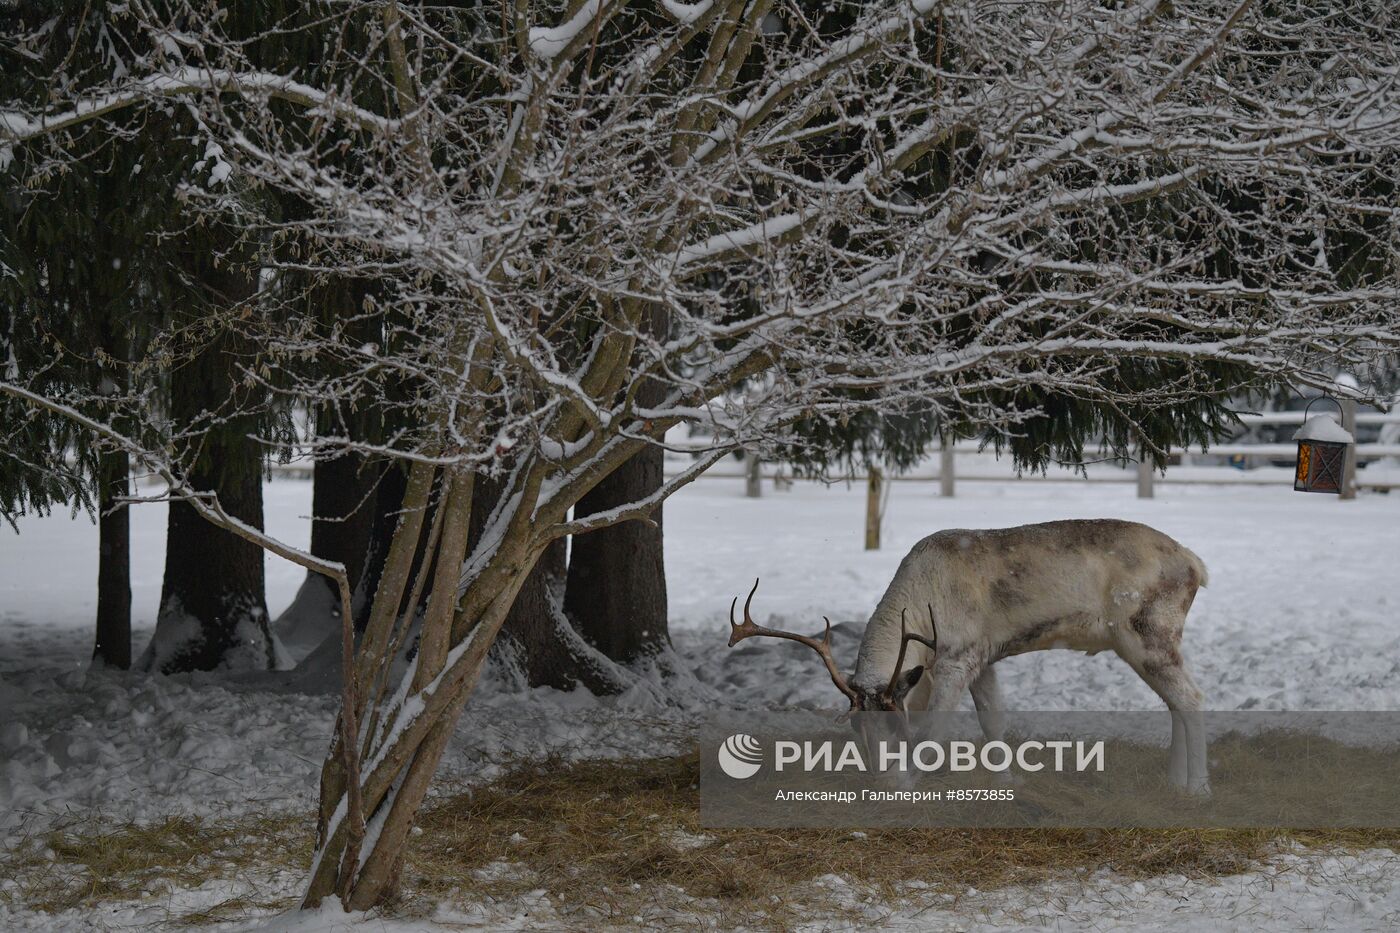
1324	397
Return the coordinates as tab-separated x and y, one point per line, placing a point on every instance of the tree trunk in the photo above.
397	784
417	728
344	498
616	593
384	522
874	490
753	475
537	638
344	486
212	609
404	750
113	644
343	509
320	641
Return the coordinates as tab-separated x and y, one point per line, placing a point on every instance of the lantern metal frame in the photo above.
1321	465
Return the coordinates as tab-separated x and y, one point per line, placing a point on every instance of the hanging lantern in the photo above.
1322	451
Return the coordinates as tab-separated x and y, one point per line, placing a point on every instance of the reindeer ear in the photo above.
906	682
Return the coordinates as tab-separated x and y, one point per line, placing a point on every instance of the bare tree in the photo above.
949	205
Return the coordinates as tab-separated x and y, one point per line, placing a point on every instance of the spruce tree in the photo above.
125	296
85	285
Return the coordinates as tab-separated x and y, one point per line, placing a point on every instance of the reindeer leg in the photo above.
1151	644
949	680
986	696
1178	772
1176	688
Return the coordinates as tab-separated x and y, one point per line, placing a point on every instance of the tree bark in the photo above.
344	498
874	492
343	509
113	643
616	593
537	638
344	486
411	740
413	753
212	610
213	613
392	482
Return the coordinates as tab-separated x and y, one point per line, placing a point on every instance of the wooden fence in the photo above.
942	465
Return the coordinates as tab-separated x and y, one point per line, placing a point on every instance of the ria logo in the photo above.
740	756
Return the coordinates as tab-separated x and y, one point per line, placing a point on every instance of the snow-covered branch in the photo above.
642	508
17	126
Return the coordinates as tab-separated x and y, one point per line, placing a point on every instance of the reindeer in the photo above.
1085	585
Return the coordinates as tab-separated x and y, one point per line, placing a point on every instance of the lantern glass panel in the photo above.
1321	465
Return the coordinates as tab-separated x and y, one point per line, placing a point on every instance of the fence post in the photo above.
753	475
1144	475
945	470
1349	471
874	481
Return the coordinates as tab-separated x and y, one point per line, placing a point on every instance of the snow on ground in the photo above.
1347	892
1301	613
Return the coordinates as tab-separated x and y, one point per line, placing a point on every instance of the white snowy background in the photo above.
1302	612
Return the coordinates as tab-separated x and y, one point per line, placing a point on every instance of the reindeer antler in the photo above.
738	632
899	661
905	637
931	643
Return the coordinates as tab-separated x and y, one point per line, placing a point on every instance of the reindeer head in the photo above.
888	699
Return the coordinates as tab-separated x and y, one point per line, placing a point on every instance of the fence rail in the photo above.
1103	473
1296	417
1182	472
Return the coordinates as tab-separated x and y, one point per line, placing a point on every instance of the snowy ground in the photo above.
1301	613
